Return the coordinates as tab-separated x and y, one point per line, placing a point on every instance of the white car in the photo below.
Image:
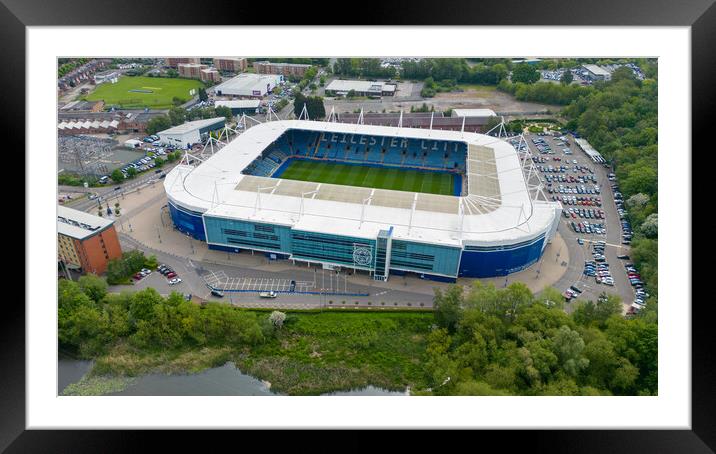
174	281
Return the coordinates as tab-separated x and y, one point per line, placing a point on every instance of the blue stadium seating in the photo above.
390	151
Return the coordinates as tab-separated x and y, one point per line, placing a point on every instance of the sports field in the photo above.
138	92
371	177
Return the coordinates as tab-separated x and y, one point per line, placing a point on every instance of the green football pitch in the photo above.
138	92
371	177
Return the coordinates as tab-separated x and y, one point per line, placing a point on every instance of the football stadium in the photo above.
375	199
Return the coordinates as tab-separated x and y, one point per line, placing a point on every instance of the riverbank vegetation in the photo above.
483	341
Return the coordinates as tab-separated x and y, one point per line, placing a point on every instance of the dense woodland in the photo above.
505	342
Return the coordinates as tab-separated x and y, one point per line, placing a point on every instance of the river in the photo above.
225	380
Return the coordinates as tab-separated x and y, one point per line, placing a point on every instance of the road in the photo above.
192	272
107	193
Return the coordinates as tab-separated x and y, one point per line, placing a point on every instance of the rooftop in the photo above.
192	125
247	82
78	224
239	104
598	70
357	85
473	113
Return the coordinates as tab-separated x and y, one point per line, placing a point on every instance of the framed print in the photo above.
447	225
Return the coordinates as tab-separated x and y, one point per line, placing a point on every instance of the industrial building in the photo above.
594	73
498	223
285	69
471	113
240	106
88	122
231	64
191	132
249	85
371	89
86	242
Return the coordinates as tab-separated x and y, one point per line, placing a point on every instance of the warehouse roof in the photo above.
597	70
239	104
357	85
247	82
78	224
497	210
473	113
192	125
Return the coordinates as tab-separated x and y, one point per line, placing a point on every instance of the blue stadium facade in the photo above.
381	255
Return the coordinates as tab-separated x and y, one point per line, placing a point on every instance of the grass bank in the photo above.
313	353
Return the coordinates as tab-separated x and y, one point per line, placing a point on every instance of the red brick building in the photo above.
191	70
86	242
173	62
285	69
231	64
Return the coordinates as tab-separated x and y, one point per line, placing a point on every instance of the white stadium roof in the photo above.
497	210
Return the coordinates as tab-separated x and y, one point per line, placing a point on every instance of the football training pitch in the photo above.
138	92
370	177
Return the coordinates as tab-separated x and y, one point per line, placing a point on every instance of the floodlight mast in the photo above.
332	115
304	113
257	205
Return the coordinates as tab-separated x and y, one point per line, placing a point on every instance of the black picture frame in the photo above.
16	15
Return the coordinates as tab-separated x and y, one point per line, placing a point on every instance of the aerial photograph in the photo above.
389	226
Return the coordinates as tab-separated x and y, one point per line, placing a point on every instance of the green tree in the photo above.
93	286
202	94
525	73
131	172
158	123
142	305
448	307
177	116
568	346
223	111
567	77
117	176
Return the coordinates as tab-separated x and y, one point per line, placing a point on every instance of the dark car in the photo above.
217	293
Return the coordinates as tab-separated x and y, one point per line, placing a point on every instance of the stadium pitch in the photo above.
397	179
139	92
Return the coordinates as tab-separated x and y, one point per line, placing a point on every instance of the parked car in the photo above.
174	281
171	274
217	293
